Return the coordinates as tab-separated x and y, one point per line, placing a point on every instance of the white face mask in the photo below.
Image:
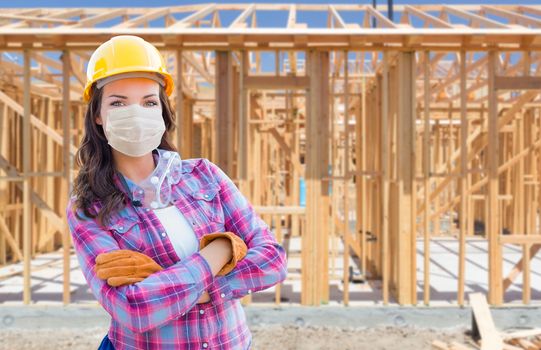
134	130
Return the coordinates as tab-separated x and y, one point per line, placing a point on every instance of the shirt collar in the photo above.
135	191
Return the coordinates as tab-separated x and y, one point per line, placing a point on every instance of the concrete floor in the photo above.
47	277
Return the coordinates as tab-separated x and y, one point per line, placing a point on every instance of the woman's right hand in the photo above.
237	247
204	298
217	253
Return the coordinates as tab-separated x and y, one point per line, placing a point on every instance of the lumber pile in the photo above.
487	337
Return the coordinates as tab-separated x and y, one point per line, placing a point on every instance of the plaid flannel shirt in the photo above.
161	312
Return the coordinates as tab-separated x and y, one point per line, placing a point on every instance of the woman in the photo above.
167	246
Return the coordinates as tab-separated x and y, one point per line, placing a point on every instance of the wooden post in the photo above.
67	165
426	177
526	273
323	153
361	164
27	209
315	238
179	103
463	215
4	185
243	150
495	295
242	164
405	149
347	234
224	112
385	263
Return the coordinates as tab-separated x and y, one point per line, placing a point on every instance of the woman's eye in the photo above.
116	103
151	103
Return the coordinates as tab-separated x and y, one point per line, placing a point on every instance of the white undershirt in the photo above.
179	230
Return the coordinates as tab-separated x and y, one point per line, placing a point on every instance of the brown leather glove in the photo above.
238	246
123	266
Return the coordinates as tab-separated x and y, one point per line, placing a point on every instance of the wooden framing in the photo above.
426	126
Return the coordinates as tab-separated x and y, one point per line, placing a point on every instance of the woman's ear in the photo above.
98	120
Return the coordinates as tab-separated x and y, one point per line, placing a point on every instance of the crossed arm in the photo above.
122	267
182	285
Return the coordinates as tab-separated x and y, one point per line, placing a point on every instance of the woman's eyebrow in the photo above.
118	96
149	95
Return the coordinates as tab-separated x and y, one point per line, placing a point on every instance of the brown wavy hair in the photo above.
95	159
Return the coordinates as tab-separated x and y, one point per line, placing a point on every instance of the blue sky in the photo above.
145	3
265	19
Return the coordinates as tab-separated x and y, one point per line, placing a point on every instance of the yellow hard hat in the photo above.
124	54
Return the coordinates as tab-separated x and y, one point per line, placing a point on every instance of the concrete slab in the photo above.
47	277
77	316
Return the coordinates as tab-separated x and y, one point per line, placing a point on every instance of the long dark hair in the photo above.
95	159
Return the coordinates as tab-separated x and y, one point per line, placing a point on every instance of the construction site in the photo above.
393	150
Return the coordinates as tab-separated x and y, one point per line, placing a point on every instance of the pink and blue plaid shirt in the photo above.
161	312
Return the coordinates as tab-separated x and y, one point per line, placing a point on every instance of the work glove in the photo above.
123	266
238	246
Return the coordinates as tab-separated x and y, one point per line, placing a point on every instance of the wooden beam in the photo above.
473	17
529	9
482	319
45	210
517	83
381	20
77	72
61	15
10	240
199	38
273	82
337	18
191	59
520	239
92	21
51	20
43	75
519	266
240	21
292	16
35	121
435	21
512	16
191	19
287	150
144	18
